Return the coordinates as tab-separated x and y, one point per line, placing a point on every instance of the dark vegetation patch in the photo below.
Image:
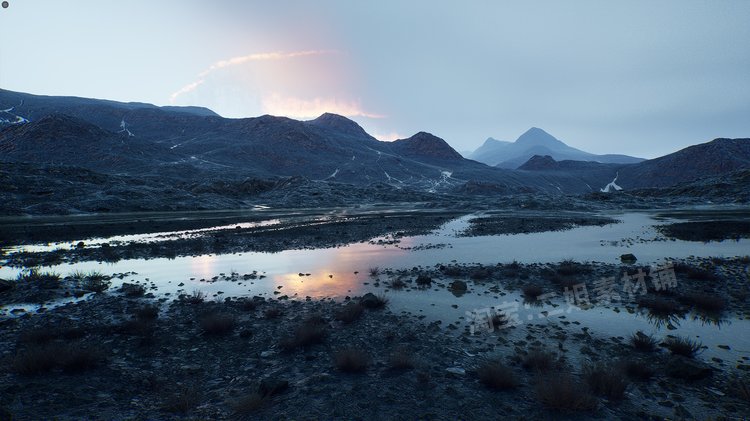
68	357
350	312
679	345
351	360
539	360
217	324
497	224
707	230
644	343
560	392
496	375
606	380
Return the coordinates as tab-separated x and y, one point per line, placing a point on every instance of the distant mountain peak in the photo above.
340	124
537	136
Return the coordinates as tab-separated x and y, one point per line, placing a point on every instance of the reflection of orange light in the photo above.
203	266
320	284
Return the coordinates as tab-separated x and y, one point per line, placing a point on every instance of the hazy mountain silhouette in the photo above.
536	141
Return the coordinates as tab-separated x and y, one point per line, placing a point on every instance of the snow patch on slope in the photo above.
612	186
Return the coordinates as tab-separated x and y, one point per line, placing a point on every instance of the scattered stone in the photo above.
458	371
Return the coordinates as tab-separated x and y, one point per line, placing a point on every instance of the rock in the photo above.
191	369
6	285
459	286
270	387
687	369
132	290
458	371
370	300
628	258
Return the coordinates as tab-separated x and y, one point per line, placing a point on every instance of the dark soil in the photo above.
507	224
707	230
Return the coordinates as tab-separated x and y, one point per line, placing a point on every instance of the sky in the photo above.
643	78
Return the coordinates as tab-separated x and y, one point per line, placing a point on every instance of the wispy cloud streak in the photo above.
234	61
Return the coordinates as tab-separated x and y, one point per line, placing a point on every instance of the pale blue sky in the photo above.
637	77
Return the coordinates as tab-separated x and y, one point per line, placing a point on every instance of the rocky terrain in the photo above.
121	354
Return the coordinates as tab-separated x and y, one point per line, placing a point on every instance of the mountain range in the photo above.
536	141
193	143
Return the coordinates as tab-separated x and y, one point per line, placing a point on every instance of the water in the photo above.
332	273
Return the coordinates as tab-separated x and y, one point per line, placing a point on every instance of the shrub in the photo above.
374	271
643	342
424	280
496	375
571	268
349	313
532	291
217	324
46	280
247	304
352	360
398	284
539	360
561	393
197	297
373	302
304	336
679	345
401	359
605	381
740	387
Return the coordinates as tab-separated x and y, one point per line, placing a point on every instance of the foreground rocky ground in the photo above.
123	354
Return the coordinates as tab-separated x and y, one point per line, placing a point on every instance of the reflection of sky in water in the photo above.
604	244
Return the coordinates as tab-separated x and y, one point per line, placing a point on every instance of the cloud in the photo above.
276	104
388	137
234	61
263	56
